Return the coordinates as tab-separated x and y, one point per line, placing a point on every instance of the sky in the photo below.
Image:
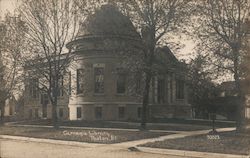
185	53
7	5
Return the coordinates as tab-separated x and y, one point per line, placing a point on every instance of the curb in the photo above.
51	141
188	153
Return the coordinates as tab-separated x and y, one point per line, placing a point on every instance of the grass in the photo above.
90	136
218	123
229	143
172	125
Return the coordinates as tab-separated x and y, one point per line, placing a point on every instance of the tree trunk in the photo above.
145	100
54	109
54	116
2	105
240	122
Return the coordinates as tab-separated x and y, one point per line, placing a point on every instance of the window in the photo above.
44	110
139	112
121	112
36	113
60	87
179	89
79	112
98	112
121	83
171	88
138	86
80	80
99	79
161	91
33	88
69	88
138	83
11	110
30	113
60	112
44	99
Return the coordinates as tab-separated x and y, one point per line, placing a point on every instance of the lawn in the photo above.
171	125
227	143
90	136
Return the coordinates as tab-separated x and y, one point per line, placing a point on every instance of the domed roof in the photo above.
108	21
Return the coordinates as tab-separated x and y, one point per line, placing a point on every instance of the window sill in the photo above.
120	94
180	99
98	94
79	95
98	119
122	118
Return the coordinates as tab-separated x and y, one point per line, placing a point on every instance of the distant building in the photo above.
228	97
99	87
10	109
227	89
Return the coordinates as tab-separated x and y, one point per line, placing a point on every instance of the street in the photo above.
24	149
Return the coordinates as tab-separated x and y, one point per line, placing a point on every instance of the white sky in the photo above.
184	53
7	5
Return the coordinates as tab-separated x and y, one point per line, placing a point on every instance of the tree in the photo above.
51	24
11	45
2	90
201	85
157	21
245	66
222	32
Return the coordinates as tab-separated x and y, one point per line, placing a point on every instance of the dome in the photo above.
108	21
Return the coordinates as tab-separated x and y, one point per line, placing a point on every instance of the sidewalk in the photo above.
52	141
171	136
193	154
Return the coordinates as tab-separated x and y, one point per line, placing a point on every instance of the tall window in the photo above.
80	80
121	112
69	86
36	113
171	88
61	112
98	112
79	112
30	113
33	88
44	99
121	83
179	89
99	79
11	110
60	86
138	86
161	90
139	112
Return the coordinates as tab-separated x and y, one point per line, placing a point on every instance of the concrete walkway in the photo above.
171	136
184	153
52	141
